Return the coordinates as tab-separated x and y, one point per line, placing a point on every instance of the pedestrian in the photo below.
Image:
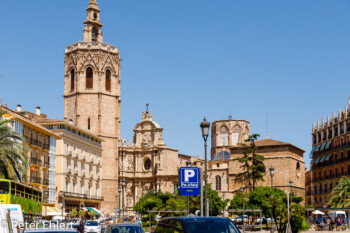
140	222
80	228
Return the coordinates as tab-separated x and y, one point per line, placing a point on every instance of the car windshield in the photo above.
127	229
92	224
210	226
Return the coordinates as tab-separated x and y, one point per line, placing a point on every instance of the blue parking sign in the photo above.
189	181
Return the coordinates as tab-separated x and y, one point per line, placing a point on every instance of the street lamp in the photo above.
272	171
223	198
123	186
290	184
243	197
120	191
205	125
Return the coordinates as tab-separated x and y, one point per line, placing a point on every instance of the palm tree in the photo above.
13	159
340	195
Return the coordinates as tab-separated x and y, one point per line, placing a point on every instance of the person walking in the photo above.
81	228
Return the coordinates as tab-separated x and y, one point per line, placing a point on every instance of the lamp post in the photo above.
205	125
243	197
188	164
290	184
120	191
223	198
272	171
123	186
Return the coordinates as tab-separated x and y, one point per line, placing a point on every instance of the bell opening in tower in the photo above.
94	34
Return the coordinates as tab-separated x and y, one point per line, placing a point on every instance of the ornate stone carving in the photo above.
129	163
147	140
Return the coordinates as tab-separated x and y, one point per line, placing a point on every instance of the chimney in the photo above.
37	111
19	108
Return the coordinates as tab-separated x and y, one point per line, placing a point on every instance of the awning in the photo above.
317	147
92	209
328	144
313	150
51	211
96	210
322	159
317	160
323	145
328	157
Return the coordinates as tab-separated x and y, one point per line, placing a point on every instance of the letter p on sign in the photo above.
189	174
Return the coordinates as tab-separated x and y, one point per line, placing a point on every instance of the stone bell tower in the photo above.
92	97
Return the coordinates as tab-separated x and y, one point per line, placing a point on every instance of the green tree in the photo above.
275	205
91	213
253	167
13	159
216	204
340	195
82	213
73	213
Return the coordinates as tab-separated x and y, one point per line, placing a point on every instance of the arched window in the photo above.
108	80
95	16
223	136
89	123
94	34
72	78
89	78
218	182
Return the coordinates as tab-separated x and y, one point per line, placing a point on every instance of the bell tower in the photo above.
92	98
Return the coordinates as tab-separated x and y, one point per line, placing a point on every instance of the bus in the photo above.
30	199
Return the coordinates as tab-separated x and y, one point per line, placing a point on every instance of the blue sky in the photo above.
289	60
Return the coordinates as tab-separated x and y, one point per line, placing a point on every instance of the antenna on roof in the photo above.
230	116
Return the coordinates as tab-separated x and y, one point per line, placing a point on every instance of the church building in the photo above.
92	97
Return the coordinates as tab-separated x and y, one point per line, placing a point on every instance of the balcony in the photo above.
46	146
35	142
46	164
80	196
75	172
35	161
35	179
46	181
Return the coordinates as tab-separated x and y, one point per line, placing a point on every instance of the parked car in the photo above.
196	225
92	226
124	227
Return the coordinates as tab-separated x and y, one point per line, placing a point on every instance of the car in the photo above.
46	230
124	227
92	226
196	225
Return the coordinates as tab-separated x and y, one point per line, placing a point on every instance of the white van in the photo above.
5	219
335	214
16	215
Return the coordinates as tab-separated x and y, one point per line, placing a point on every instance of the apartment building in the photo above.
41	144
78	166
330	155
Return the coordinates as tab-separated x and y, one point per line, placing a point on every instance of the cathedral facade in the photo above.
92	97
148	164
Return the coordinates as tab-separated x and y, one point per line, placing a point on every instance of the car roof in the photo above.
49	230
124	224
193	218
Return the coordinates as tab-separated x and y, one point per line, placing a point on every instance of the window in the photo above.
342	170
89	78
147	164
67	149
218	182
67	186
67	164
89	123
74	188
94	34
72	78
89	191
82	188
82	154
90	169
75	166
90	157
95	16
217	165
108	80
97	189
82	168
97	171
336	172
223	136
75	150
